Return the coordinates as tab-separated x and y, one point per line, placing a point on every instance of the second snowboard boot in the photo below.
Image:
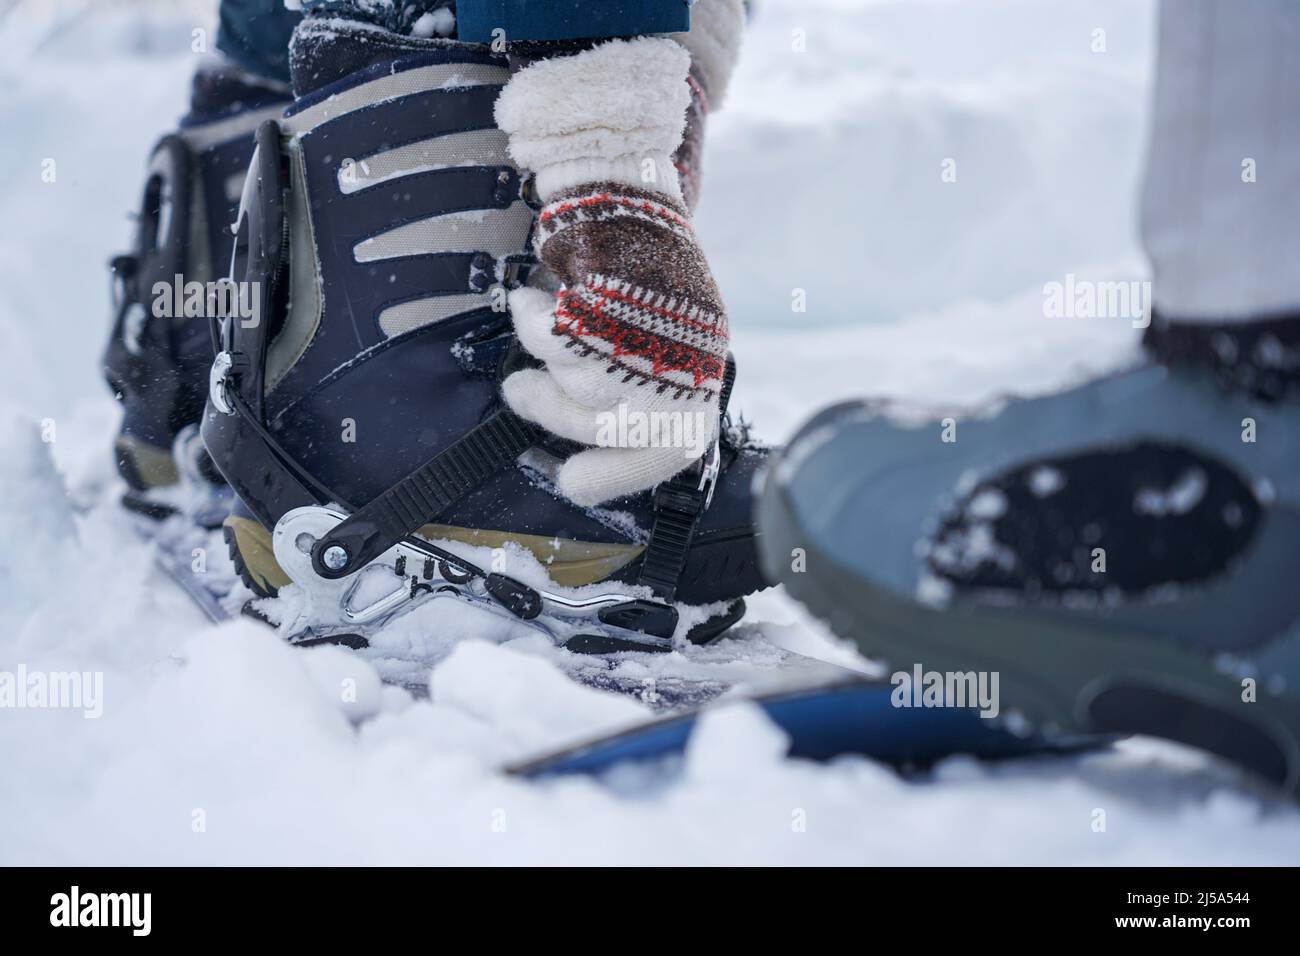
160	348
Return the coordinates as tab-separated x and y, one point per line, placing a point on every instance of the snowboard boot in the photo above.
1121	554
160	349
361	424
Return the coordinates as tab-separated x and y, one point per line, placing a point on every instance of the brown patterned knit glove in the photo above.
635	343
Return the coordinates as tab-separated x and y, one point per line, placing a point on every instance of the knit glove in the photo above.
635	342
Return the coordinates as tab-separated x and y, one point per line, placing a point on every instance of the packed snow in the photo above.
828	175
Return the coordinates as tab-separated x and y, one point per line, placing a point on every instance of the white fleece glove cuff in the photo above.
600	115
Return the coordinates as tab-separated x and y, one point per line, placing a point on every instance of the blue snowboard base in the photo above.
856	717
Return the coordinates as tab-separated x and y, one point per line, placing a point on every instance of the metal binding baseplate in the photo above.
710	468
413	572
219	382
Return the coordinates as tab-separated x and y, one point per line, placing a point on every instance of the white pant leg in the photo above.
1227	90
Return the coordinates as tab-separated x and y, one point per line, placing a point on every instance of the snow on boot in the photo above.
1121	554
362	425
160	347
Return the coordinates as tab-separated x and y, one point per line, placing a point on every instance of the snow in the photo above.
438	23
223	745
1046	481
1178	499
988	505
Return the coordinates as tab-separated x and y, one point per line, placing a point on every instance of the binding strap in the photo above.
679	503
417	499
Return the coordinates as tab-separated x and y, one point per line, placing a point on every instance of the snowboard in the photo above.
855	716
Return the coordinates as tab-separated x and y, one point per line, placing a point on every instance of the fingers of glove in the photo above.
535	395
590	382
585	378
599	474
533	314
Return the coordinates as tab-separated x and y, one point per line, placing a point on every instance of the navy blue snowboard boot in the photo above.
160	347
361	421
1122	554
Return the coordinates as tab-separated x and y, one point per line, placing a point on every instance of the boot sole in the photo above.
144	466
1065	678
250	550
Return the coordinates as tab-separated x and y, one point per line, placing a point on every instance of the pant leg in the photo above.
478	21
255	35
1226	109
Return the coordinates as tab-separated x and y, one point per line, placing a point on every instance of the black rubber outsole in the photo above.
241	566
136	502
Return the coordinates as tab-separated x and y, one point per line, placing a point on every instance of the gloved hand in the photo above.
635	343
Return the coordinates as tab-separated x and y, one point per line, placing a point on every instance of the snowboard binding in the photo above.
159	349
418	571
408	341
